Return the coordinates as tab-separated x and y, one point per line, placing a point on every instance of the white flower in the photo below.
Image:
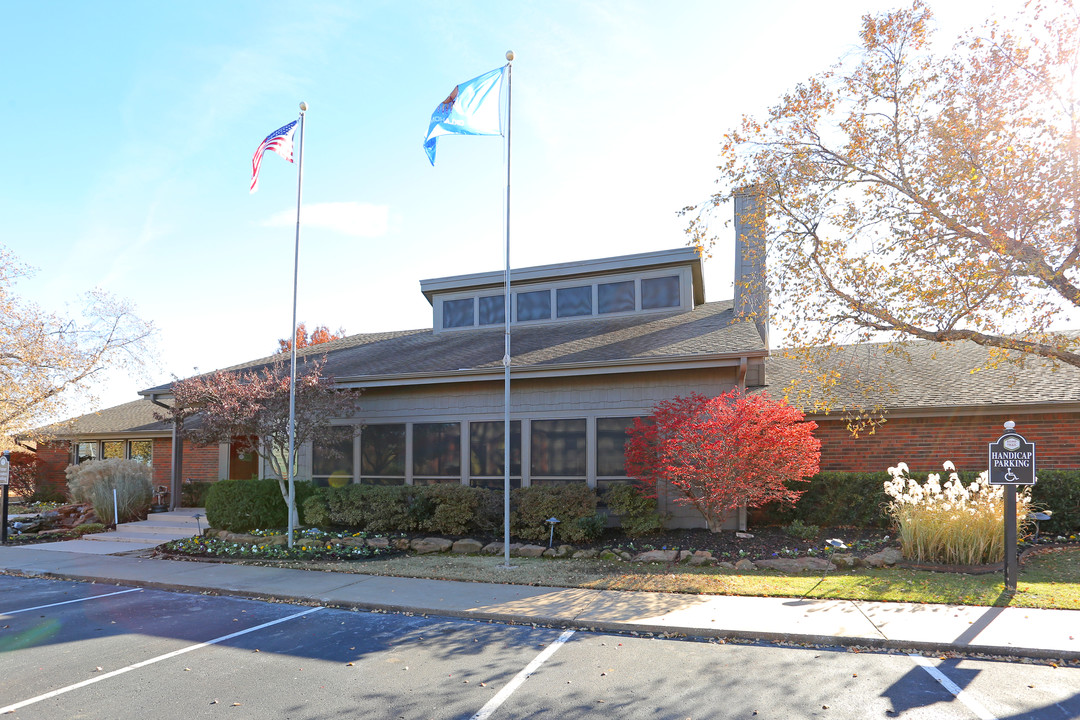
948	465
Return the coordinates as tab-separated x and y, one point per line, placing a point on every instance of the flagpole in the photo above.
506	355
292	333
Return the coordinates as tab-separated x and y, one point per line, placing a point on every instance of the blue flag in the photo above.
472	108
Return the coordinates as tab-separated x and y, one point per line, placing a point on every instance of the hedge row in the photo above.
858	499
242	505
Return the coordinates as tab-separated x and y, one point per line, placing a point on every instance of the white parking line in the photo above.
68	602
494	703
151	661
962	695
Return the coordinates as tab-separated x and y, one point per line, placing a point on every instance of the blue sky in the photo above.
132	126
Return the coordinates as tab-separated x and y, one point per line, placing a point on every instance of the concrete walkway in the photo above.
1051	634
158	528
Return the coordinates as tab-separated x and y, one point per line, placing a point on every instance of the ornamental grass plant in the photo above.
951	523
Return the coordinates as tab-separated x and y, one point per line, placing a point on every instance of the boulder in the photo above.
668	556
745	564
400	543
467	546
496	548
846	560
585	554
886	558
796	564
564	551
724	564
609	555
531	550
424	546
380	543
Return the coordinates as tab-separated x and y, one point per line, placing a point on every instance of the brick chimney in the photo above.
751	289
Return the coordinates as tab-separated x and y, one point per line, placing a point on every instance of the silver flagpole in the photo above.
292	333
506	355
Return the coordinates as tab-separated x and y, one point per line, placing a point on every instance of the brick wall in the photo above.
200	462
925	443
54	458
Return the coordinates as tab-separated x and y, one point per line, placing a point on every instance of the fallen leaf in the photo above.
352	664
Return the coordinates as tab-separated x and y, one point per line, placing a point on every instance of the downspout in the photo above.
740	377
177	458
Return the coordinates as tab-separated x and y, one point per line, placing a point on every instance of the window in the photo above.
534	305
382	455
611	446
486	451
332	457
661	292
85	451
615	297
492	310
111	449
558	449
143	451
574	301
457	313
436	450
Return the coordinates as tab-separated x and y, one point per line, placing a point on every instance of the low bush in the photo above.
242	505
1059	492
574	504
88	529
802	531
94	481
637	513
193	494
951	522
459	510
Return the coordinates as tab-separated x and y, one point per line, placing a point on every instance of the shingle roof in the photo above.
136	416
934	375
709	330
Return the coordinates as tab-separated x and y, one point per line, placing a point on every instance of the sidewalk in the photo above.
1018	632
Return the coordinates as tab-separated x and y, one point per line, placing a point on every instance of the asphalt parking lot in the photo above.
80	650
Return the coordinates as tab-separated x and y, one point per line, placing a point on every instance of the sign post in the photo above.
5	478
1011	463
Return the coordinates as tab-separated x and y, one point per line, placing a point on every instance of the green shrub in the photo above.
193	494
88	528
637	513
574	504
48	494
94	481
1059	492
799	529
315	510
458	510
242	505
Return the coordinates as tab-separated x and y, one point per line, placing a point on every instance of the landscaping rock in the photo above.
467	546
886	558
550	552
380	543
564	551
725	565
668	556
242	538
496	548
609	555
846	560
623	555
530	550
744	535
276	540
745	564
424	546
400	543
796	564
585	554
703	560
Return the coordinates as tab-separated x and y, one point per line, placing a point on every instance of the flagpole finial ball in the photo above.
1010	425
510	55
303	107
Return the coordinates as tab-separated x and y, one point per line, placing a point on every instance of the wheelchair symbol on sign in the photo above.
1010	476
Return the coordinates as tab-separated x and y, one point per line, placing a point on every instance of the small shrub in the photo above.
799	529
574	504
23	478
242	505
94	481
637	513
316	509
88	529
1059	492
954	522
457	510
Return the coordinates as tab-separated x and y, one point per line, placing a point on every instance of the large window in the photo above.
486	454
661	292
493	310
534	305
382	455
458	313
436	451
573	301
143	451
615	297
112	449
611	446
332	457
558	450
85	451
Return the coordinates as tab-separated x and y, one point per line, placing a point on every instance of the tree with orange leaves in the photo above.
319	335
908	195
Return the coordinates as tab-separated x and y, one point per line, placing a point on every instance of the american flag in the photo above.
281	142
